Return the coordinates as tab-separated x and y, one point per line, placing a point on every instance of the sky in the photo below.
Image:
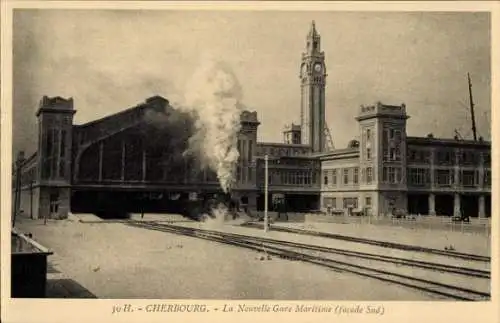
110	60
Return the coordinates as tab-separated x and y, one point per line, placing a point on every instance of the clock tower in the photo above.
312	105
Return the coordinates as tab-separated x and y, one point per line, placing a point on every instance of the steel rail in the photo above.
450	291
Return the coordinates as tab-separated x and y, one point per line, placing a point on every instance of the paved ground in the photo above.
466	242
429	239
114	260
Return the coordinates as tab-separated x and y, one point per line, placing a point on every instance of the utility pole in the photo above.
31	198
266	189
472	108
17	187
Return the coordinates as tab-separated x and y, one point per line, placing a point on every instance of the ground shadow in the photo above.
66	288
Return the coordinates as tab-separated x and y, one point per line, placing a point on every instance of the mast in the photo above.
472	109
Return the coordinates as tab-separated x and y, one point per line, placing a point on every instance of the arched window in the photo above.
325	180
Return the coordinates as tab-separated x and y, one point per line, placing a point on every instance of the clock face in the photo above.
317	67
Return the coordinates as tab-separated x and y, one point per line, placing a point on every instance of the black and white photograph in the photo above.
269	155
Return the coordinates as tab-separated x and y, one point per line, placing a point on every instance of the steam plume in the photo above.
213	96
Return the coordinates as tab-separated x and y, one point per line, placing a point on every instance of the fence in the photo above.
476	225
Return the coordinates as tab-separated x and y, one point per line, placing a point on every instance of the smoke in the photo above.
213	98
174	124
219	215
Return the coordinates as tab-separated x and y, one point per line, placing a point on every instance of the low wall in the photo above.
423	218
476	225
28	267
292	217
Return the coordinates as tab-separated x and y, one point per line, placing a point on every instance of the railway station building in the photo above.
135	157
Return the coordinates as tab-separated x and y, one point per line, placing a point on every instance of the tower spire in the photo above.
313	40
312	31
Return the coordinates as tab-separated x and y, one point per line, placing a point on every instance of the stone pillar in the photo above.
252	203
44	203
481	207
456	205
64	203
36	203
432	204
432	158
480	174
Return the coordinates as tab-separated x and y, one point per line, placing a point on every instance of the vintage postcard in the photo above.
230	161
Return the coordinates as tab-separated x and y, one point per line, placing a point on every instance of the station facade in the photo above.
137	155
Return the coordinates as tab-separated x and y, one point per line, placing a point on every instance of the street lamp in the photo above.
266	188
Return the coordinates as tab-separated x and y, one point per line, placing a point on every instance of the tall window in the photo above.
325	179
467	178
412	155
487	177
250	150
368	134
445	157
368	153
308	178
392	175
368	201
346	176
330	202
350	202
369	175
419	155
49	168
62	150
356	175
334	177
392	154
55	152
487	159
418	176
243	149
391	144
397	136
444	177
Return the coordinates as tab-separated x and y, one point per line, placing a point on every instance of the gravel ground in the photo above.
114	260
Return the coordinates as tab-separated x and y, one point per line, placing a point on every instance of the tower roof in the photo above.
312	31
56	104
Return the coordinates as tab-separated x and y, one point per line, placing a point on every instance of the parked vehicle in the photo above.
411	217
398	213
460	218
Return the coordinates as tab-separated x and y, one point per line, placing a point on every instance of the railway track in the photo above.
305	253
384	244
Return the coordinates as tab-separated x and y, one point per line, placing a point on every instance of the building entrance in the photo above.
418	203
